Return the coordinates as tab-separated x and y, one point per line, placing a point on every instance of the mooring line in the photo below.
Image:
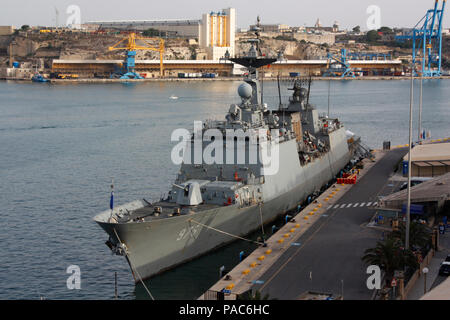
224	232
135	269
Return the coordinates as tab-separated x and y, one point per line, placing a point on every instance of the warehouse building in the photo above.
215	32
428	160
176	28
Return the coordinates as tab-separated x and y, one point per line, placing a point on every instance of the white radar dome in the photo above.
245	91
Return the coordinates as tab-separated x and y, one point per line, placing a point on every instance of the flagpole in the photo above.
111	201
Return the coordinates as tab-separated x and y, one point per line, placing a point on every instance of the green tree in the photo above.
372	36
389	255
386	30
25	27
419	234
357	29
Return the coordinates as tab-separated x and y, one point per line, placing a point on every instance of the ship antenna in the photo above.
309	89
279	90
329	88
262	88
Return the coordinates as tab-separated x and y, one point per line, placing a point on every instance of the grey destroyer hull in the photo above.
155	246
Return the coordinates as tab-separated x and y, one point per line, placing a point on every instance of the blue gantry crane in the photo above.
339	65
426	39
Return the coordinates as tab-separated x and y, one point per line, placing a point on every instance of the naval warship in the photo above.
212	204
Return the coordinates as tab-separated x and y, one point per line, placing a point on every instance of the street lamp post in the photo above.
408	204
420	109
425	271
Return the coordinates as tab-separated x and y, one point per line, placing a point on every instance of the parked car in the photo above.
444	270
414	182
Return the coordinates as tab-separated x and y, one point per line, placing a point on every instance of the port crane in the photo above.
131	48
344	71
426	39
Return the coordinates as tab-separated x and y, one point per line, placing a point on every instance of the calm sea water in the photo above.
60	145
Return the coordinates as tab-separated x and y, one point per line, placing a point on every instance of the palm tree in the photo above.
390	255
419	234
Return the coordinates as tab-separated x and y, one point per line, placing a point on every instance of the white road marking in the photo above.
369	204
349	205
343	205
336	206
356	204
362	204
330	207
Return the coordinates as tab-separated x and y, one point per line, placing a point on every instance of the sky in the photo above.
349	13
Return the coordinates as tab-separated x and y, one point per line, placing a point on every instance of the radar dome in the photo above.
245	91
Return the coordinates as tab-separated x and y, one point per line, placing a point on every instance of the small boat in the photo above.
172	97
39	78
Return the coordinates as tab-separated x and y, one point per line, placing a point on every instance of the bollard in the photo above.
221	271
241	255
246	271
297	225
268	251
274	229
261	258
286	218
286	235
280	240
253	264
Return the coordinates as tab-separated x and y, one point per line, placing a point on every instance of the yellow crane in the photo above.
131	48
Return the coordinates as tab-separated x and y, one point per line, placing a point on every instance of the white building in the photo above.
218	32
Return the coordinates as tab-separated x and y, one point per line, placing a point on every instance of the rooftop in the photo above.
436	189
430	152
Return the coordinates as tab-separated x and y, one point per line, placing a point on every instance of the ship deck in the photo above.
146	214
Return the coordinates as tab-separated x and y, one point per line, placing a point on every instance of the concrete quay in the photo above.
321	249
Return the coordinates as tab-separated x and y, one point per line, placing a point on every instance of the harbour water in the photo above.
60	145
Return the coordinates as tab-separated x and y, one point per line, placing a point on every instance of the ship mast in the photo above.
254	60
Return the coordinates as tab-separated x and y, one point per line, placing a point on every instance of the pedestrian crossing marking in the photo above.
351	205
